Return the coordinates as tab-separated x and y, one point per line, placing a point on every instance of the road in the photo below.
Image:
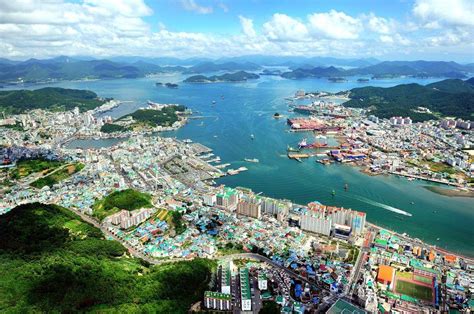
130	248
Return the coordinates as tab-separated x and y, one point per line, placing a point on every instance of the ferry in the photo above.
255	160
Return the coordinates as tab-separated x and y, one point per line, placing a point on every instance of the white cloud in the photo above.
247	26
334	24
191	5
455	12
380	25
102	28
285	28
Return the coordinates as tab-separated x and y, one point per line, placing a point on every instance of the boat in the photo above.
346	187
252	136
255	160
303	143
213	102
333	193
413	203
324	161
291	149
187	141
437	239
411	179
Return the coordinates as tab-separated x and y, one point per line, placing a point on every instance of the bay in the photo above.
242	109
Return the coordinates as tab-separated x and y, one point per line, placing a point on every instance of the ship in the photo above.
255	160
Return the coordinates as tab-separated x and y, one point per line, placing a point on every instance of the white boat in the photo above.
255	160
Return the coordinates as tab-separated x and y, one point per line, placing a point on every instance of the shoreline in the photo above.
440	250
449	192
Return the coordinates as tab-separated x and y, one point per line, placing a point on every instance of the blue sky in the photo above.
387	30
226	21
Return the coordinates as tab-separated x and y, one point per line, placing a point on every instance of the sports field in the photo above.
413	290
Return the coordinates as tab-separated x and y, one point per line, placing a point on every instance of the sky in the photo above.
383	29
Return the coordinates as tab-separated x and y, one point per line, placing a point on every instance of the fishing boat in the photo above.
291	149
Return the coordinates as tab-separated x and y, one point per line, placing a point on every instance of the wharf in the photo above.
426	179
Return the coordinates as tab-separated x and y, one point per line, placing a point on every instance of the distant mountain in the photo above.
414	68
452	97
163	61
299	61
65	68
49	98
314	72
227	66
389	69
240	76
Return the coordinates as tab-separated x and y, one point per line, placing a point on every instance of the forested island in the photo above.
148	118
48	98
240	76
451	97
52	261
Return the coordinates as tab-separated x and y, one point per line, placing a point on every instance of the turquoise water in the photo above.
247	108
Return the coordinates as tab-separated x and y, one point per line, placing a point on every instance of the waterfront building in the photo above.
323	219
250	206
217	301
315	222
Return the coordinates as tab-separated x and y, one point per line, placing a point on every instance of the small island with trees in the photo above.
240	76
149	119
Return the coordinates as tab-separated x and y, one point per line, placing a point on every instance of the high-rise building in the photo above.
245	293
262	281
250	206
225	276
217	301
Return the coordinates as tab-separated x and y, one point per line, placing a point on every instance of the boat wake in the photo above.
384	206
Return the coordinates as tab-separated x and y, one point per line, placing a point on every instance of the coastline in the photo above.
449	192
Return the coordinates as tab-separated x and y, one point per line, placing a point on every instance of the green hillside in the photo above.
127	199
53	262
451	97
48	98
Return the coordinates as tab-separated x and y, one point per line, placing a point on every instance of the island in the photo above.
451	97
156	117
49	98
240	76
337	79
171	85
